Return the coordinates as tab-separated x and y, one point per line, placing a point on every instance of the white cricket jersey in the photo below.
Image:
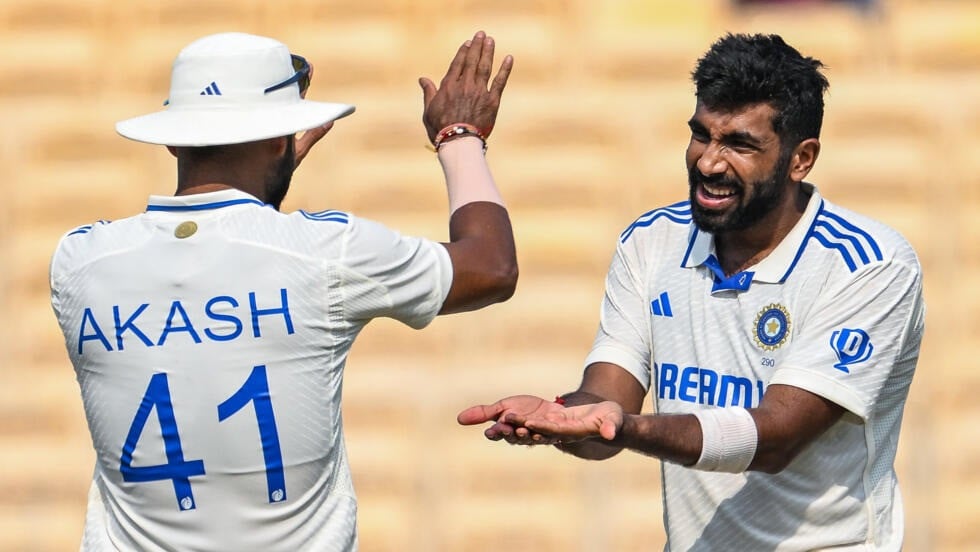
836	309
209	337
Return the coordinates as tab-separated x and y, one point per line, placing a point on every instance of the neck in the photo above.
200	179
244	167
201	188
741	249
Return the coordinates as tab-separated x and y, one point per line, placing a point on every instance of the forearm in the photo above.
671	437
481	238
467	173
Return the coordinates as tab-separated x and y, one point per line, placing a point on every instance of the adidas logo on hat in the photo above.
211	90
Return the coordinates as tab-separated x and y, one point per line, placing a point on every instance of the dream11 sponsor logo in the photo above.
851	347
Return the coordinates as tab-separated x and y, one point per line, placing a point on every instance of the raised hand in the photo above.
305	142
463	96
574	423
506	414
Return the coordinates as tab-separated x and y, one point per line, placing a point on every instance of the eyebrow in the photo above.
742	137
734	137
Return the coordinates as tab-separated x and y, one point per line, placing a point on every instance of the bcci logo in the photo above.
772	327
851	347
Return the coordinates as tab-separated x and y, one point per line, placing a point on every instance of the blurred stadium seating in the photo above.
590	135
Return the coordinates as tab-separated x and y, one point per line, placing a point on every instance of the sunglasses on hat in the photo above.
301	77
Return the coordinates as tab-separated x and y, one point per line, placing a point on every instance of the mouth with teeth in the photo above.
717	195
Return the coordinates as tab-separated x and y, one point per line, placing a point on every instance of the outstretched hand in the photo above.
508	415
574	423
462	95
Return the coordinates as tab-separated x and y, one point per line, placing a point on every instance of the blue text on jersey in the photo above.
220	322
705	386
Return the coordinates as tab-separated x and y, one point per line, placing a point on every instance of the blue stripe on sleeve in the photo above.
328	216
679	212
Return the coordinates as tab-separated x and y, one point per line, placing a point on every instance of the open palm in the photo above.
578	422
508	415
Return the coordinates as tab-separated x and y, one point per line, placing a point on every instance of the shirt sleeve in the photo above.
623	337
54	278
386	274
861	337
60	265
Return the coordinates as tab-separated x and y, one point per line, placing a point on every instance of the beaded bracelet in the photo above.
458	130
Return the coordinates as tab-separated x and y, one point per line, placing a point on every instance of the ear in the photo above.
804	156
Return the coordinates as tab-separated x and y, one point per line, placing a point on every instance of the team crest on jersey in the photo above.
772	327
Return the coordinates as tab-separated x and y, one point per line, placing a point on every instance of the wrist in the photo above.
729	439
456	131
460	144
626	431
578	398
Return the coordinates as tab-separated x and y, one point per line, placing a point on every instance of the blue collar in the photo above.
740	281
201	202
775	268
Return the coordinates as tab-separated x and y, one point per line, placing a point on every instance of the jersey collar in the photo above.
201	202
775	268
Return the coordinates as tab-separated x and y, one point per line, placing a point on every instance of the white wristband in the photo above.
729	439
468	176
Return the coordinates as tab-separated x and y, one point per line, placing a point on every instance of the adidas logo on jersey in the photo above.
661	306
211	90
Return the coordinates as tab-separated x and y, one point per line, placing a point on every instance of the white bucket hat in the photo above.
231	88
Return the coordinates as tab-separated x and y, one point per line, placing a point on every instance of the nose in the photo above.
712	160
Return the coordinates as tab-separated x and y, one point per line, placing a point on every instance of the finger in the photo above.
540	439
428	91
498	431
527	441
472	58
456	65
485	63
542	426
608	430
307	140
501	431
500	81
514	418
556	429
479	414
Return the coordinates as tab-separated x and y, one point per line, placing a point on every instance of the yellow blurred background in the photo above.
591	134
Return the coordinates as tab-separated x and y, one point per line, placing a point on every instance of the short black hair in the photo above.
739	70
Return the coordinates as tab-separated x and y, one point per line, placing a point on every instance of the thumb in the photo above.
309	138
479	414
428	90
608	429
